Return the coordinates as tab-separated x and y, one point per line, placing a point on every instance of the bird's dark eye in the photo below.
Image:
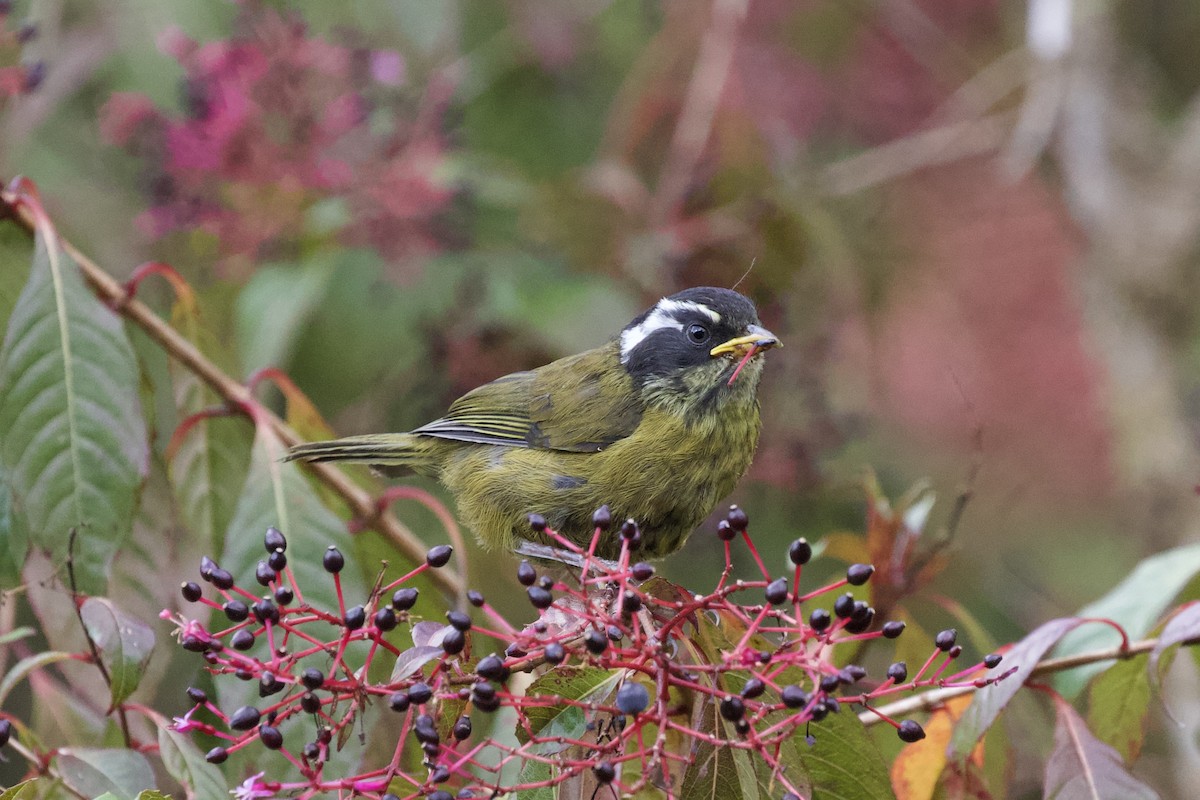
697	333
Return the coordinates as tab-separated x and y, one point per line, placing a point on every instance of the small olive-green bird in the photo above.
660	423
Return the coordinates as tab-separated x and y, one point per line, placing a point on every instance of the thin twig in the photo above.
936	697
951	142
237	395
713	65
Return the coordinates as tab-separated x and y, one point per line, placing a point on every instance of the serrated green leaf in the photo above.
125	644
536	772
1135	604
571	683
844	763
94	771
185	763
71	431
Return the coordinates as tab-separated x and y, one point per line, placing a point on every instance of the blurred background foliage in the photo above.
973	223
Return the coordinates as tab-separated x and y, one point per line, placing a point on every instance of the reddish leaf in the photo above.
990	701
1084	768
1183	627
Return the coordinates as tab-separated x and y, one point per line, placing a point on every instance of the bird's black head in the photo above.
687	343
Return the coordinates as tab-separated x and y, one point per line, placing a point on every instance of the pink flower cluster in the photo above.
276	120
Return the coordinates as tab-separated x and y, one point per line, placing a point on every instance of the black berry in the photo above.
945	639
217	755
641	571
898	672
777	591
738	519
191	591
858	574
539	597
492	668
632	698
245	718
732	708
800	552
893	629
794	697
355	618
602	518
333	560
555	653
992	659
404	599
819	619
910	731
271	738
274	540
596	642
385	619
526	574
439	555
537	523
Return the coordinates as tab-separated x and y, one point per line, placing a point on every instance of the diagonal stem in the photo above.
237	395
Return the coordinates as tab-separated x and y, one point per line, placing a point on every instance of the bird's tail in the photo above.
395	451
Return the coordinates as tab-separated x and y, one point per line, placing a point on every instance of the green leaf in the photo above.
94	771
25	666
26	790
276	493
14	544
844	763
71	431
185	763
1135	604
1119	705
569	682
534	771
274	307
208	464
17	634
125	644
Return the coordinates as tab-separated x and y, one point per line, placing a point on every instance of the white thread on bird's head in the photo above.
665	314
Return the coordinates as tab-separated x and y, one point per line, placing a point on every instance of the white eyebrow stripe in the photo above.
662	317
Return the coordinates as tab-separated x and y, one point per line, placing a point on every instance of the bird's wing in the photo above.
577	404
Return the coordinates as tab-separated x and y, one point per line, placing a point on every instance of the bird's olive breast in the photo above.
668	475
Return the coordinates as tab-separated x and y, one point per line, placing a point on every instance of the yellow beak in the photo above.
756	336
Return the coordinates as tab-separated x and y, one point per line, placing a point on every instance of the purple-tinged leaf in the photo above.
428	634
1082	767
1183	627
411	660
991	700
